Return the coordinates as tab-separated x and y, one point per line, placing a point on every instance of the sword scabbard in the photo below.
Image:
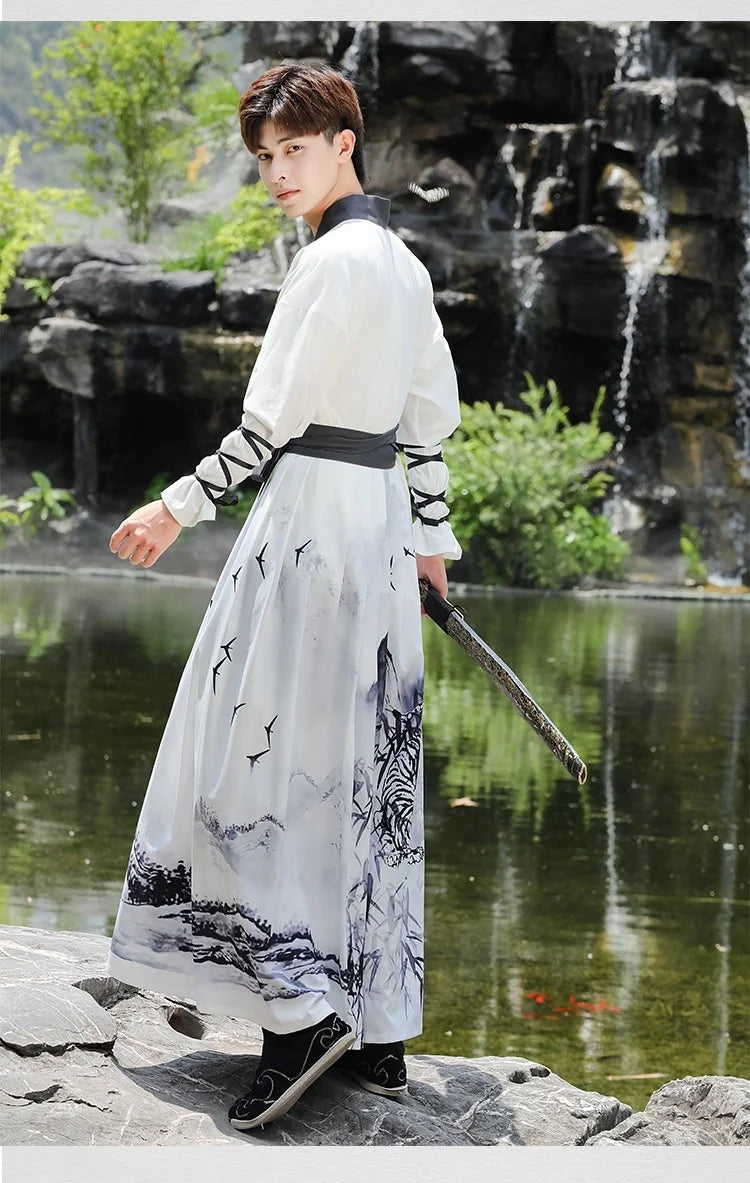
451	621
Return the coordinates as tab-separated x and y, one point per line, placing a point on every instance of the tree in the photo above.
124	86
25	215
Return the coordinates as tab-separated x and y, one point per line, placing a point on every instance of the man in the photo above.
277	866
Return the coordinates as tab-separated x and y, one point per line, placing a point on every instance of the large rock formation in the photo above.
596	229
87	1060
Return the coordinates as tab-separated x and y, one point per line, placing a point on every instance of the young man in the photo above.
277	867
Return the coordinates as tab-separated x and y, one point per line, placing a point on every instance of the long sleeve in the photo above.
301	350
431	413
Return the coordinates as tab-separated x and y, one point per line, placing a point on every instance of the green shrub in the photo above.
35	509
207	243
691	544
522	487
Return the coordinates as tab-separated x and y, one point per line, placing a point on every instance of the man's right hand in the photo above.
145	535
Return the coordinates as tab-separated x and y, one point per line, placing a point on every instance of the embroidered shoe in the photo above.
288	1065
378	1067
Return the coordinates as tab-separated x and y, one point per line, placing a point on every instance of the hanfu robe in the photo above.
277	868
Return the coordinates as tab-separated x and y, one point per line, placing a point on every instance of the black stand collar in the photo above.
355	205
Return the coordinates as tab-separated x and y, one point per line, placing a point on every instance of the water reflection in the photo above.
602	930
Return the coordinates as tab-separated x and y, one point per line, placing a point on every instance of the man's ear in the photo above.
348	140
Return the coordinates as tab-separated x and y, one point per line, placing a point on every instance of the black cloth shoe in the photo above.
378	1067
288	1065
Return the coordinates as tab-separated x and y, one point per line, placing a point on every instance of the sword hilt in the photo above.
436	606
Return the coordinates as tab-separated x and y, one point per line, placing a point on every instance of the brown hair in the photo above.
303	98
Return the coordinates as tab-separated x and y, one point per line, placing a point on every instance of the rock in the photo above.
245	302
463	204
54	261
694	1111
18	297
539	176
458	312
573	265
14	351
706	49
695	457
70	354
584	247
619	190
688	118
118	1065
274	40
36	1019
587	48
248	290
126	293
701	252
202	369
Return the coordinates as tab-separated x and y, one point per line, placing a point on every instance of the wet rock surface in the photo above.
93	1061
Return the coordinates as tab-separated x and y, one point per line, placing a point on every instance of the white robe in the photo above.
277	869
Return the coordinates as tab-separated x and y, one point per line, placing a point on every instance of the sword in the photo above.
451	621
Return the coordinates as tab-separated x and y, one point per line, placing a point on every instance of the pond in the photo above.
602	930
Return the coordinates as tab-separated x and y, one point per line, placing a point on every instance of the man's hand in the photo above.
432	568
145	535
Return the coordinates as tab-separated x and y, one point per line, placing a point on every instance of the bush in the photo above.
522	487
25	216
691	544
207	244
35	509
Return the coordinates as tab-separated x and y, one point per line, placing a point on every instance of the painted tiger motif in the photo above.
397	752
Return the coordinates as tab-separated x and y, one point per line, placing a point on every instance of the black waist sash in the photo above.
337	443
344	443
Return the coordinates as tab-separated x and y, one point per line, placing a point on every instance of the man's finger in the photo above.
119	536
127	548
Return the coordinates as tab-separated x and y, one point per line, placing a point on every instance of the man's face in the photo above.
305	168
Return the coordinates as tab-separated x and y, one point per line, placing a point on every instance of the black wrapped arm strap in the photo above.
420	499
256	442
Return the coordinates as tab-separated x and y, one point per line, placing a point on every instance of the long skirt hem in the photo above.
277	869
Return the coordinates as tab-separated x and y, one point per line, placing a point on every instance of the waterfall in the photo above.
743	365
635	56
536	153
528	278
517	176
